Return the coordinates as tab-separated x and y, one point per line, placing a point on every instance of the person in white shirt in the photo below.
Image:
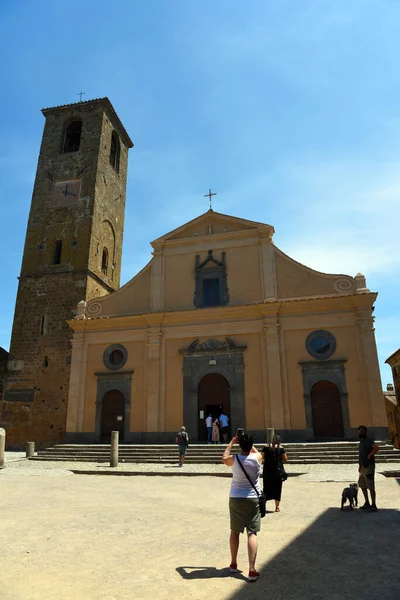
224	422
209	428
244	507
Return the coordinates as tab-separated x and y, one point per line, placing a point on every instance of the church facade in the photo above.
221	319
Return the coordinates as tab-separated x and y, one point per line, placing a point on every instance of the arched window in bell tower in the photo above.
115	151
72	138
104	261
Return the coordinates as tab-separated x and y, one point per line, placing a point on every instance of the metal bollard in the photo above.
30	449
114	449
270	434
2	446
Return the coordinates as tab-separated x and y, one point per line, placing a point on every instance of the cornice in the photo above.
305	307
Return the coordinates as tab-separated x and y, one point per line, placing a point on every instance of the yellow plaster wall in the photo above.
136	362
253	383
179	281
218	226
132	299
295	352
174	384
294	280
243	271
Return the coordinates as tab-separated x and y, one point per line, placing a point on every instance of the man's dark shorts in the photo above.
224	430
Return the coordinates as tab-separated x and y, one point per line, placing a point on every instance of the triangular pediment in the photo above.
212	222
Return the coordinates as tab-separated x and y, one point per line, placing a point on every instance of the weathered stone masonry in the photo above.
89	222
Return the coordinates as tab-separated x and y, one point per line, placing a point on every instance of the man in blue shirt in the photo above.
224	420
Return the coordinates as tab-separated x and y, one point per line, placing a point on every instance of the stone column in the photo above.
2	446
30	449
114	449
153	378
271	330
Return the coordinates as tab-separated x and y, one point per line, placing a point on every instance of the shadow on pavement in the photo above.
207	573
347	555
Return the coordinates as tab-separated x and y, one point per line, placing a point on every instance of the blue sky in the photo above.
288	109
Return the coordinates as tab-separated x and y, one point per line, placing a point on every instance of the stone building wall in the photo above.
36	391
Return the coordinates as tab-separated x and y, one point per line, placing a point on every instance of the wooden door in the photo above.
326	410
113	415
213	395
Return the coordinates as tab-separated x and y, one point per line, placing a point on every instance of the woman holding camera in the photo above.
243	499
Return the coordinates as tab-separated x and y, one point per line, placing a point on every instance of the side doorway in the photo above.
326	411
112	415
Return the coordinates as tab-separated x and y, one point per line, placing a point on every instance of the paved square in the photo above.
141	537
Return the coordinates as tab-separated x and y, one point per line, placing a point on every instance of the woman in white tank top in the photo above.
243	500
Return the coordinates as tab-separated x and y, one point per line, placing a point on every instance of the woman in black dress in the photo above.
274	457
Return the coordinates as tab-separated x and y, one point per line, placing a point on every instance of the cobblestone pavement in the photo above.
16	463
155	538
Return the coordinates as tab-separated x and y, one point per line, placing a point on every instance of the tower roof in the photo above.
106	105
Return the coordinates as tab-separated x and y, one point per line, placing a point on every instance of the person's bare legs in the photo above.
252	546
234	546
365	493
277	503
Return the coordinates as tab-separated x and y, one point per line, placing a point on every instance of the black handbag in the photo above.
262	501
280	469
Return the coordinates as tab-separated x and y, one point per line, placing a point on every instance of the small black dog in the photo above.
351	494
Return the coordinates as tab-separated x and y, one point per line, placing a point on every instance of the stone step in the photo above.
298	453
174	461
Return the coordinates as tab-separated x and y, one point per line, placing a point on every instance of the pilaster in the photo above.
271	334
76	394
157	280
370	368
268	274
153	352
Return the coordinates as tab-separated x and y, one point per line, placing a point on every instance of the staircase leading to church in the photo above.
308	453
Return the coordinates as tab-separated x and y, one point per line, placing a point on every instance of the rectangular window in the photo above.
57	252
43	325
211	292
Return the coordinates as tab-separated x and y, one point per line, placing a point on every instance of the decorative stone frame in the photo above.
217	271
106	382
333	371
107	353
229	361
323	333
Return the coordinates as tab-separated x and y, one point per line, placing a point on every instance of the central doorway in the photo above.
326	410
213	398
113	415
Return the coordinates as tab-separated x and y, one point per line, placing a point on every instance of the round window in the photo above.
115	356
321	344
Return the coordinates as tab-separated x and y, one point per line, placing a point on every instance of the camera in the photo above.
240	432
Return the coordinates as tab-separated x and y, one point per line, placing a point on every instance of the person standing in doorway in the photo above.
215	431
182	439
224	421
366	468
209	424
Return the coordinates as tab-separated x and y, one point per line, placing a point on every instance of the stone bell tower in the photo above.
73	251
